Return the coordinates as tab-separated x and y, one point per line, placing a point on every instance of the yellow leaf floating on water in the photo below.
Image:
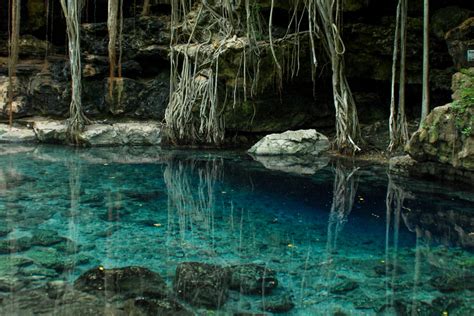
157	225
291	246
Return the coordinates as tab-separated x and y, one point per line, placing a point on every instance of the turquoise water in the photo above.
345	240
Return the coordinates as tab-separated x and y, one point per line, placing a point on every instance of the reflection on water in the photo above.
96	231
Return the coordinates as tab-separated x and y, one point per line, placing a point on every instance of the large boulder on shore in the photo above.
133	133
447	133
301	142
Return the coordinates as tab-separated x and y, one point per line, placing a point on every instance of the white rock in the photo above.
16	134
113	134
131	133
301	142
50	131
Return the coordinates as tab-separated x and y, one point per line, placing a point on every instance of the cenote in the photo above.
173	232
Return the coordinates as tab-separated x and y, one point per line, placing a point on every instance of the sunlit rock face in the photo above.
302	142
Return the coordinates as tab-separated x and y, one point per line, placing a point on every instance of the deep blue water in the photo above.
156	208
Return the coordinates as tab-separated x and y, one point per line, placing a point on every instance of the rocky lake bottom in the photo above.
143	231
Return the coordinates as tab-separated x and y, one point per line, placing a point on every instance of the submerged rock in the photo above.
15	245
128	282
44	237
301	142
252	279
388	268
202	284
344	287
278	304
447	283
147	306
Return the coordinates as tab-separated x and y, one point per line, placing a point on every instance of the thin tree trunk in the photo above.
146	8
15	14
397	123
112	18
77	119
402	122
425	107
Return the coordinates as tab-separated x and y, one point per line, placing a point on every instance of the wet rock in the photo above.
445	283
302	142
252	279
15	245
278	304
149	306
202	284
344	287
128	282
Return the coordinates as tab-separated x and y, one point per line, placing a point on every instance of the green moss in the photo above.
463	108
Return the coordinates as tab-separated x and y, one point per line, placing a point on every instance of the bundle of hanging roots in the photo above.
205	31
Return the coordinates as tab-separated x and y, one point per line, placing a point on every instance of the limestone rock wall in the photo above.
42	86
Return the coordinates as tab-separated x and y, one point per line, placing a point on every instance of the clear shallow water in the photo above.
342	240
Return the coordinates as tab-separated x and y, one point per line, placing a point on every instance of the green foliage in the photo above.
462	108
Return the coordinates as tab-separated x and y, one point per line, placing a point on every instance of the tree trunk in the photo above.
397	123
425	107
77	119
112	18
14	34
146	8
347	122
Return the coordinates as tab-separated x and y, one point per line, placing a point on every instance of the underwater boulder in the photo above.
128	282
202	284
344	287
252	279
301	142
15	245
446	283
148	306
278	304
46	237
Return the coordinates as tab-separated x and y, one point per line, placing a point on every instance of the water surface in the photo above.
344	239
